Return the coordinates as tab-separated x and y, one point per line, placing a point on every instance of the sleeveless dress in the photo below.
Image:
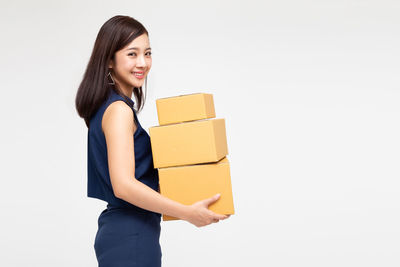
127	235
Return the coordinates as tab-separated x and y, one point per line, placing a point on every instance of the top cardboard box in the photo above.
185	108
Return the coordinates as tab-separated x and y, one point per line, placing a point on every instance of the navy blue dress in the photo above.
127	235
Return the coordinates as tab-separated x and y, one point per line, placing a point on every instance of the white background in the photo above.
310	92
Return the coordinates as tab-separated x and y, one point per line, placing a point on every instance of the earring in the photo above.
113	82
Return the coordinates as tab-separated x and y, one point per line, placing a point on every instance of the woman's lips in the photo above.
139	75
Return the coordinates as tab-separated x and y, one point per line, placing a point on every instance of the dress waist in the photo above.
130	207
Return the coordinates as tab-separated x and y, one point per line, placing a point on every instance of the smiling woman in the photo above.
120	163
130	65
112	52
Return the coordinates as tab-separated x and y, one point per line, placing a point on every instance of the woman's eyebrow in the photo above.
136	48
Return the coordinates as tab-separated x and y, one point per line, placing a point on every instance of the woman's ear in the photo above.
110	64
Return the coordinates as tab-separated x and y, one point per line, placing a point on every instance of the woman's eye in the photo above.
134	54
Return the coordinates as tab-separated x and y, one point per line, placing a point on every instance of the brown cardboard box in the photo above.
188	143
189	184
185	108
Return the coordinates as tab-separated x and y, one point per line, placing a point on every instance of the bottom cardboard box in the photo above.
191	183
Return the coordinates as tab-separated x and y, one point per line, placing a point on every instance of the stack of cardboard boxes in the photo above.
189	149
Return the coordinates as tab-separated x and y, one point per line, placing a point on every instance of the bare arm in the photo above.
118	128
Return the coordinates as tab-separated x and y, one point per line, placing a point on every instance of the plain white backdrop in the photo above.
310	93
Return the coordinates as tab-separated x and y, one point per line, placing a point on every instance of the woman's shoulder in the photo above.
118	108
112	99
118	112
114	96
116	104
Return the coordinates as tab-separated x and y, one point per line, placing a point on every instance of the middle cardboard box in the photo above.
187	143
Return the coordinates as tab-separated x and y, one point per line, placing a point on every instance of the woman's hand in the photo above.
200	215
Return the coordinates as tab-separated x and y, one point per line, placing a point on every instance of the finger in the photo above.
220	216
211	200
214	219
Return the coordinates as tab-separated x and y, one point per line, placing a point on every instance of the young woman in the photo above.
120	164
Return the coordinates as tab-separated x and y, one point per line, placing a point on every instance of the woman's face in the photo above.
132	64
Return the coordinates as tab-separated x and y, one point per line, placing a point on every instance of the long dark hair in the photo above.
95	86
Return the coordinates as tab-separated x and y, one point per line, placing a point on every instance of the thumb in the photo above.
212	199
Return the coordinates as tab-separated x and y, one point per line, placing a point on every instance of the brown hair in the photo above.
94	88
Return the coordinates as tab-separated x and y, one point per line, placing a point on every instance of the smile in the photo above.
139	75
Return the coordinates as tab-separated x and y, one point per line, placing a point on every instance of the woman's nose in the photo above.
141	62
